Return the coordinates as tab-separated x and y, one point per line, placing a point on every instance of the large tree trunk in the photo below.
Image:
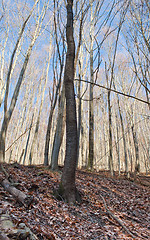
67	186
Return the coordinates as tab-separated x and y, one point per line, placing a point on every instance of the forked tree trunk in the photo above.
67	186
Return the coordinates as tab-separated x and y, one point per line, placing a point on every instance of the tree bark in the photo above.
27	143
59	131
40	109
110	161
117	145
124	140
135	141
67	186
91	111
47	141
2	143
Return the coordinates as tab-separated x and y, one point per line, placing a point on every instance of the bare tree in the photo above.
137	39
41	104
67	186
53	100
8	113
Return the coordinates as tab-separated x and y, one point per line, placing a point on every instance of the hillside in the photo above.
110	206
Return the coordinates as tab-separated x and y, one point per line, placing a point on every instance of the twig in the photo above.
19	138
115	91
117	219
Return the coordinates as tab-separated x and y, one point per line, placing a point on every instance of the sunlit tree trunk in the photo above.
28	139
53	105
110	156
79	118
91	111
40	109
59	132
117	145
124	140
110	159
136	148
2	62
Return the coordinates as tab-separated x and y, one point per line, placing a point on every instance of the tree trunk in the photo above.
27	143
67	186
21	156
2	146
124	140
91	114
59	131
41	106
135	141
79	119
110	158
117	145
47	141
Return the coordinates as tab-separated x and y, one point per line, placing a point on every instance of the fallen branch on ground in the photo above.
118	220
17	194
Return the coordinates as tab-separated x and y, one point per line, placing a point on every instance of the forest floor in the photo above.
102	195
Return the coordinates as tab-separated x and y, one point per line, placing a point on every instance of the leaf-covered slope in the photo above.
102	196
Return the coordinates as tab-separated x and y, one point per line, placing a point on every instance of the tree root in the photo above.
62	196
